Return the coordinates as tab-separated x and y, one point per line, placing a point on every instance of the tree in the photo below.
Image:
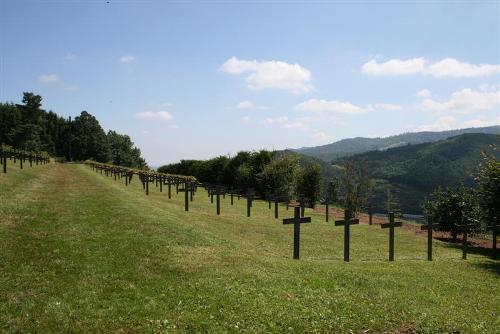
356	184
309	182
392	204
489	187
451	208
278	176
90	141
123	152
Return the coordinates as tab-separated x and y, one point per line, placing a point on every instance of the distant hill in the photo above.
416	170
351	146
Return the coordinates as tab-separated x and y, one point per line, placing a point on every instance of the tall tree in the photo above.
278	176
309	182
489	187
90	141
355	183
123	152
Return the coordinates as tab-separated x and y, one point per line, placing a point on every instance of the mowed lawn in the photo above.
80	252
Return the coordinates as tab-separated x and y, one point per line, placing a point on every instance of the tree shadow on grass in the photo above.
471	249
493	266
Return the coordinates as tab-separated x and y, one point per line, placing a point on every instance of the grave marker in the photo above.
465	229
296	221
391	225
249	202
347	222
429	227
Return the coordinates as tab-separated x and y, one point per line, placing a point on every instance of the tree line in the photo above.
267	173
28	127
477	207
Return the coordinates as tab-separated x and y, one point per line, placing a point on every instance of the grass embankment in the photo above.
80	252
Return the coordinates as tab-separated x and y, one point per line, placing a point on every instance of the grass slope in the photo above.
82	253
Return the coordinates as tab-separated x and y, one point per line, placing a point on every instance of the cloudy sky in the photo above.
197	80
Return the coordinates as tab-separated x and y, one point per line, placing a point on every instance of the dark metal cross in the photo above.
249	202
429	227
326	202
370	215
277	200
296	221
186	190
5	162
302	204
495	229
391	225
465	229
217	194
347	222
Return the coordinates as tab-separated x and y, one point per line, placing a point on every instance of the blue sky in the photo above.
201	79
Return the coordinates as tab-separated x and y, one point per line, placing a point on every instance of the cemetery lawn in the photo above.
80	252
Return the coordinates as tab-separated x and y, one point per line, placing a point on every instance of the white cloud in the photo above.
445	68
275	120
127	59
394	67
250	105
49	78
69	56
480	122
465	101
387	106
160	115
335	107
424	93
321	136
270	74
245	105
453	68
294	125
449	122
245	119
442	124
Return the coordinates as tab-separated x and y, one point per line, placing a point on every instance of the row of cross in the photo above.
189	187
21	157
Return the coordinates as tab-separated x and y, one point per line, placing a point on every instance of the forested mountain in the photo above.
414	171
26	126
351	146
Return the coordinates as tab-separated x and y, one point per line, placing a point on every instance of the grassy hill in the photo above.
80	252
416	170
351	146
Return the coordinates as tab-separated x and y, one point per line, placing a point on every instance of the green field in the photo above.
80	252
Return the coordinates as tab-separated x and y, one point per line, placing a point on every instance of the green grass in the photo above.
80	252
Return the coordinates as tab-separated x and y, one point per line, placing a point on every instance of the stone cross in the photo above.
429	227
391	225
296	221
347	222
